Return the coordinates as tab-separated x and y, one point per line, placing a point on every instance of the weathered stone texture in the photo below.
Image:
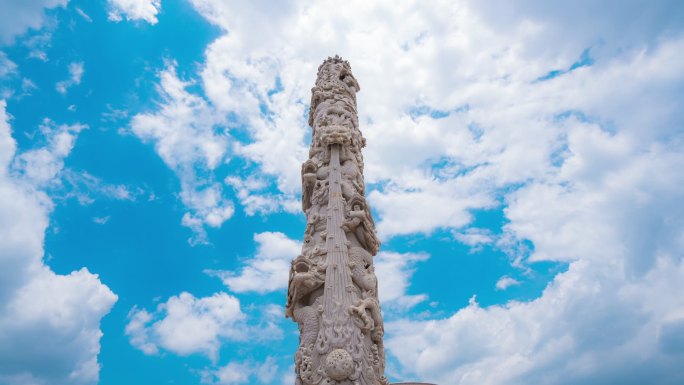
333	291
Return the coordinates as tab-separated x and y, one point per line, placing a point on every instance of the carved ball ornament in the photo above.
339	365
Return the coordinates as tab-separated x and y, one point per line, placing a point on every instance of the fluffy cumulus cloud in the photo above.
49	323
594	324
185	324
614	315
432	137
607	203
269	268
18	16
145	10
565	116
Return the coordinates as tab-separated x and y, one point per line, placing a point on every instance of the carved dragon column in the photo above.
333	291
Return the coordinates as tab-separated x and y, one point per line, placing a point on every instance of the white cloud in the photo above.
229	374
591	325
475	238
8	146
187	135
611	210
86	188
39	44
608	25
139	332
394	271
49	323
146	10
7	66
267	371
75	75
113	114
84	15
255	198
268	270
41	166
505	282
185	324
176	143
241	372
27	87
408	90
429	203
55	317
243	84
101	220
18	16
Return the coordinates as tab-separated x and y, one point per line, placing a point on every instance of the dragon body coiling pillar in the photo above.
333	290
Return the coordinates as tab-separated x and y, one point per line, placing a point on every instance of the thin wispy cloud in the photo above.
74	79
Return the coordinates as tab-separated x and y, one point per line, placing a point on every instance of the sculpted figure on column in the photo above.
333	291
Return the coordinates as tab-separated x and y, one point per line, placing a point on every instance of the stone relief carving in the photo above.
333	290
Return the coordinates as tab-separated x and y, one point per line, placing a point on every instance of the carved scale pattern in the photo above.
332	293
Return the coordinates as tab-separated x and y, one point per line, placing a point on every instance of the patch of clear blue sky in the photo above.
141	252
455	272
423	110
585	60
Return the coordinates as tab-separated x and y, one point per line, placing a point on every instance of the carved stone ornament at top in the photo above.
333	290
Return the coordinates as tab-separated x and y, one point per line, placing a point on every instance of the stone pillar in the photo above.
333	291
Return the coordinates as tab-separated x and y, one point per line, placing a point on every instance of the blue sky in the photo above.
523	162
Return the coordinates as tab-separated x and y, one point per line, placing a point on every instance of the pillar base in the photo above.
411	383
